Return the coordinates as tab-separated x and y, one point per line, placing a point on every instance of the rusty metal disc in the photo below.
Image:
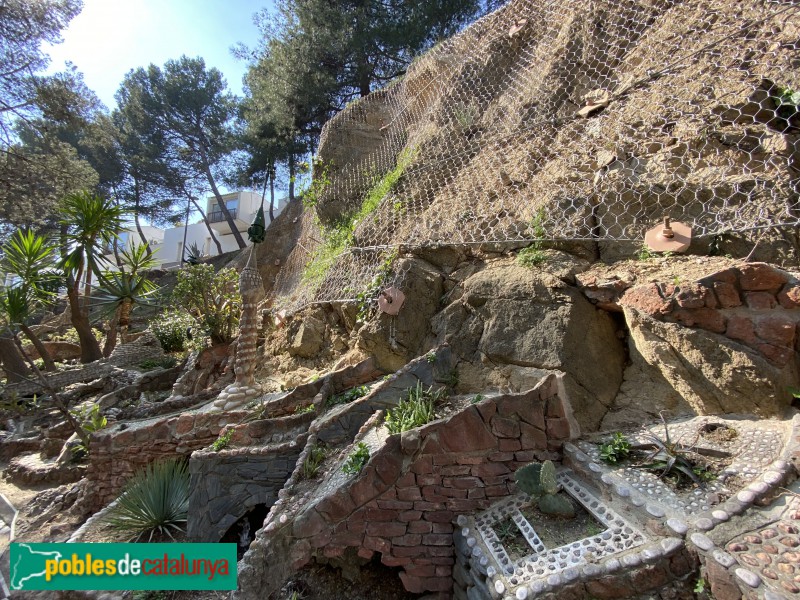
657	240
391	300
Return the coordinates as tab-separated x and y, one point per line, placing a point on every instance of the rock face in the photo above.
309	338
511	325
726	343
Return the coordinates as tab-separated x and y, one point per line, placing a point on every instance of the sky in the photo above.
111	37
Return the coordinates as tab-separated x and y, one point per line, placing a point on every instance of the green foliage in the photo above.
170	329
303	410
645	253
539	481
347	396
93	223
478	398
91	420
787	102
155	500
31	257
129	286
316	456
795	392
616	449
357	459
366	298
211	298
466	115
319	184
700	586
194	254
431	357
534	254
414	411
340	236
222	441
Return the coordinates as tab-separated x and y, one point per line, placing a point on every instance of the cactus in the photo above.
539	480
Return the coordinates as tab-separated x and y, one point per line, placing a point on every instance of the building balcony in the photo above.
217	220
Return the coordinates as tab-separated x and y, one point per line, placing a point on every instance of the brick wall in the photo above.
405	501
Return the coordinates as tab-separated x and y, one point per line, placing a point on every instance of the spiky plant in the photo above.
667	457
155	501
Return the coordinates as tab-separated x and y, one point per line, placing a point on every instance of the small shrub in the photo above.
314	460
414	411
222	441
171	328
356	461
531	256
347	396
615	450
645	254
155	500
302	410
431	357
478	398
212	298
91	420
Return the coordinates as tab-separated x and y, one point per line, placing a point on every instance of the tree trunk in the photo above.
111	336
125	318
291	176
13	363
49	365
90	348
272	191
208	225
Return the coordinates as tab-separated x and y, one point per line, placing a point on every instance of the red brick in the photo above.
366	487
391	529
438	584
427	506
497	480
532	438
705	318
378	544
421	570
789	297
776	354
694	295
337	506
760	276
395	561
451	470
648	300
727	294
444	571
332	551
509	444
760	300
423	465
431	479
486	409
466	432
409	515
410	494
463	483
403	551
412	584
648	578
409	539
741	328
608	588
476	493
185	424
505	428
441	551
776	330
437	539
433	493
452	493
470	460
525	456
441	560
420	527
501	456
377	514
558	429
443	528
395	504
388	465
465	506
407	480
439	516
489	469
365	553
494	491
442	459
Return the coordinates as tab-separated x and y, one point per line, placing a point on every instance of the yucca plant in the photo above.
415	411
667	457
155	501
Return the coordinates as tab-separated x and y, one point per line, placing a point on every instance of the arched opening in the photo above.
243	532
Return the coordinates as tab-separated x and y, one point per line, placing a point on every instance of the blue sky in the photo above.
111	37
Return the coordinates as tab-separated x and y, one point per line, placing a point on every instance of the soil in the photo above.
512	539
323	582
557	531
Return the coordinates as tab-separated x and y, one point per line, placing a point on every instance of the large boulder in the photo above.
512	325
712	373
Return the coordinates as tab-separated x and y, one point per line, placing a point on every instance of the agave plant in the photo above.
666	456
155	501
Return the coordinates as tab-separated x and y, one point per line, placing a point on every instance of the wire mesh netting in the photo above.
560	120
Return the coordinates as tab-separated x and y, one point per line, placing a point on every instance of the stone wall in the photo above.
120	450
403	504
754	304
225	485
